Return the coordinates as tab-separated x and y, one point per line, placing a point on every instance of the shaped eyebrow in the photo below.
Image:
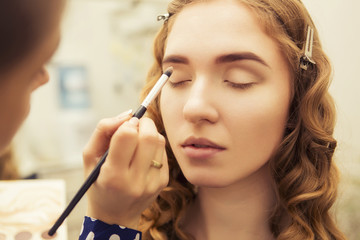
176	59
227	58
233	57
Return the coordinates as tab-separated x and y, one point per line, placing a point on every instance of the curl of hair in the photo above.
304	175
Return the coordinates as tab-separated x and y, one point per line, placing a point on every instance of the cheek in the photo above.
259	126
169	114
13	111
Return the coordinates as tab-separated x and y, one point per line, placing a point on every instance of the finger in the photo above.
156	178
147	147
123	145
158	183
100	139
158	158
164	171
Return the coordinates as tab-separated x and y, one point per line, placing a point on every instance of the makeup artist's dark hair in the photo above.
304	174
22	26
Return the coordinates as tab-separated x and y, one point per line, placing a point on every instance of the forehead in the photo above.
217	26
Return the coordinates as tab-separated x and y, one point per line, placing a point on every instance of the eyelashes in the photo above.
178	83
241	86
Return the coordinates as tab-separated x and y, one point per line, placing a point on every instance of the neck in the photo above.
241	210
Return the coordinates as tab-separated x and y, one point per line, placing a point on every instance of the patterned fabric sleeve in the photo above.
93	229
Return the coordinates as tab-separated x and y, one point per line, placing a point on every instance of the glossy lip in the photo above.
201	148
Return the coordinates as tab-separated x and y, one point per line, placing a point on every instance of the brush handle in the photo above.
87	184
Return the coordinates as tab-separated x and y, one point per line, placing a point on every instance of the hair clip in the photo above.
306	60
164	17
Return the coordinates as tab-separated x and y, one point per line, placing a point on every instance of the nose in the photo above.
41	78
200	106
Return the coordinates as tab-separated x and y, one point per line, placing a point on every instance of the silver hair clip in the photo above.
164	17
306	60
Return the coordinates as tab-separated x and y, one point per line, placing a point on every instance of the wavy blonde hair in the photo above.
304	175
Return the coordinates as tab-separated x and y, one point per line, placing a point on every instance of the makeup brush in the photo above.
95	173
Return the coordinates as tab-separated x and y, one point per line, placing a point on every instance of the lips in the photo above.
201	148
201	143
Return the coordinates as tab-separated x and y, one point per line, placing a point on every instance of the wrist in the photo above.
114	218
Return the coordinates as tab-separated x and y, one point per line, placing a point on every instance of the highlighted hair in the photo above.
304	175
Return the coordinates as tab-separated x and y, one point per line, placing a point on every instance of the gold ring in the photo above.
156	164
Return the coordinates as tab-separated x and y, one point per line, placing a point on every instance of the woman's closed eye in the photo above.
179	78
241	78
178	83
242	86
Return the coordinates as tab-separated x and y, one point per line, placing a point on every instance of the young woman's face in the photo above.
226	105
17	85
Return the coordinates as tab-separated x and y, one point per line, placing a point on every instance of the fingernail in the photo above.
134	121
124	114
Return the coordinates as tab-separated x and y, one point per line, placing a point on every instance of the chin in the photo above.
207	180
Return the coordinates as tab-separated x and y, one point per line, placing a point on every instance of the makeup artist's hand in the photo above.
127	184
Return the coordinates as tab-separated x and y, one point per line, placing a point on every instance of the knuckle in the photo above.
147	121
126	134
88	158
86	155
102	125
161	140
150	138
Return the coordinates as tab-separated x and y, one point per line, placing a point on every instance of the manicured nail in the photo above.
134	121
124	114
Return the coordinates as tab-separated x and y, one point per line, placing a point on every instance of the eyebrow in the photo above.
176	59
227	58
233	57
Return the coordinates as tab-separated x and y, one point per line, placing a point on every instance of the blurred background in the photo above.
101	65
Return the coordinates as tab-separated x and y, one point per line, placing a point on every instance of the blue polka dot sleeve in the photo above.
93	229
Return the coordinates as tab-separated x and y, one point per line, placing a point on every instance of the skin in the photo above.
231	86
16	86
